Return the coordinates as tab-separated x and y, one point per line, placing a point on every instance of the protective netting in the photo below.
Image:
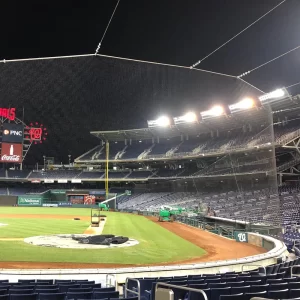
236	178
102	93
234	170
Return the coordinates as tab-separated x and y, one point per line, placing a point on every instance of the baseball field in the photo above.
159	243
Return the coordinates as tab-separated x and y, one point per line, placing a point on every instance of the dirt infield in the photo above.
217	248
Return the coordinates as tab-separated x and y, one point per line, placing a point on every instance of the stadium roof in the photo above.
257	116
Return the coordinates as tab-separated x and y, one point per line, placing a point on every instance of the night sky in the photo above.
75	96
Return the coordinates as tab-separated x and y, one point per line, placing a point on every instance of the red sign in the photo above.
89	199
11	152
9	113
35	134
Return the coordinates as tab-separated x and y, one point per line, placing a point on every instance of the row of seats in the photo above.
275	281
56	290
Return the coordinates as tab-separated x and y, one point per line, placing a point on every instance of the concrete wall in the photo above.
8	200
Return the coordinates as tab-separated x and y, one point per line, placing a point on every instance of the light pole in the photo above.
69	160
44	162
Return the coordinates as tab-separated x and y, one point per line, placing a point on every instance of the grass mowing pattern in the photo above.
157	245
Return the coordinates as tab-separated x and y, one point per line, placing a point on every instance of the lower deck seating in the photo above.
275	283
55	289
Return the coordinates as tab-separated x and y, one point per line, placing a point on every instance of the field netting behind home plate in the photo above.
76	95
235	175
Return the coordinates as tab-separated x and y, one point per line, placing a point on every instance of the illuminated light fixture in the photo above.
215	111
163	121
244	104
279	93
189	117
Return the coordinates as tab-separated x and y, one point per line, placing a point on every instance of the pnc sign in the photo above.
12	133
9	113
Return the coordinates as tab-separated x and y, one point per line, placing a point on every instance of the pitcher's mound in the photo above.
76	241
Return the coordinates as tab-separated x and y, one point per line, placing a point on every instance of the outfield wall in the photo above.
8	200
118	276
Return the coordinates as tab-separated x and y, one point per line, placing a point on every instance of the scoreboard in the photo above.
16	137
12	143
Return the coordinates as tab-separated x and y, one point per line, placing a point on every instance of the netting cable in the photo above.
163	64
252	85
201	60
271	60
44	58
112	15
292	85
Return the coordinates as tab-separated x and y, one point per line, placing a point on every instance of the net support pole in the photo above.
106	168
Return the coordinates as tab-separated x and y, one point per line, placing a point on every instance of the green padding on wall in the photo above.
30	200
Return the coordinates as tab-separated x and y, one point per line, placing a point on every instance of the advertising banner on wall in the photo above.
58	191
11	152
30	200
48	180
62	181
76	180
64	204
13	133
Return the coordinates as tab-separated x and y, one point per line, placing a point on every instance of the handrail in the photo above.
181	288
292	267
108	283
138	292
260	266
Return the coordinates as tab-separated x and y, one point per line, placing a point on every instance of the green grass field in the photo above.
156	244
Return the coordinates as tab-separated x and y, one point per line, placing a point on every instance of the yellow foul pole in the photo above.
106	168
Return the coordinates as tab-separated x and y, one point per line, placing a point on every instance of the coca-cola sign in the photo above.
15	158
11	152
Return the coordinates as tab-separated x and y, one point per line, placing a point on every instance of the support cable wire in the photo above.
271	60
201	60
292	85
99	45
163	64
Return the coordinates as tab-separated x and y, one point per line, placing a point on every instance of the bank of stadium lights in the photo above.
244	104
163	121
275	95
218	110
189	117
215	111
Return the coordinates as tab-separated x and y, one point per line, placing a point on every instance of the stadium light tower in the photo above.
163	121
69	160
189	117
215	111
44	157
